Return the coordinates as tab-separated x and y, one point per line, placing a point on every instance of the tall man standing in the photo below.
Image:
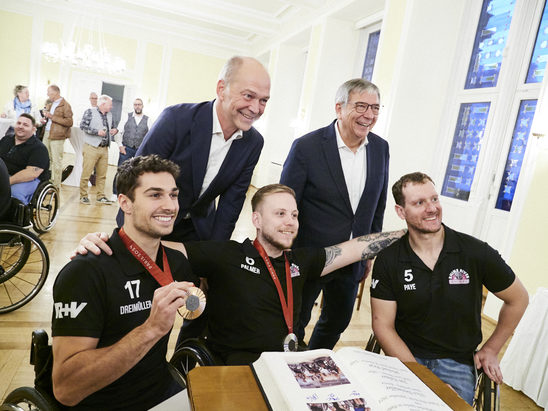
98	128
133	133
217	149
59	121
340	176
426	292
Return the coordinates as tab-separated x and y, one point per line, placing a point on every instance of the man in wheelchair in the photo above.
26	158
255	287
112	318
426	293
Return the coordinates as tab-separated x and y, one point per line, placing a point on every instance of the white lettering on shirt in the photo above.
71	309
133	308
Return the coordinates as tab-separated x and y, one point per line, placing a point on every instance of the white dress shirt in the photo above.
218	150
354	167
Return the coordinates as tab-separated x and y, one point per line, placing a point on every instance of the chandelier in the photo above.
90	55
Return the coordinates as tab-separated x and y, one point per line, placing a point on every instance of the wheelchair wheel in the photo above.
28	398
45	207
487	395
193	352
24	266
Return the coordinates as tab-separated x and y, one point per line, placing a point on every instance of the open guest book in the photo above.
350	379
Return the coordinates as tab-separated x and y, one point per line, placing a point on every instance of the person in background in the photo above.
58	117
20	104
98	131
26	158
93	99
132	135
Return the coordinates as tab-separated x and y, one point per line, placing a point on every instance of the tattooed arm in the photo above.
360	248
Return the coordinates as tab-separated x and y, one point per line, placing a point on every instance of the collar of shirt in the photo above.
217	129
341	144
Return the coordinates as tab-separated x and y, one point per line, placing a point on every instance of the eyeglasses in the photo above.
363	107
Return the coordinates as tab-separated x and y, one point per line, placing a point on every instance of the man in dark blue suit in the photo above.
340	176
217	149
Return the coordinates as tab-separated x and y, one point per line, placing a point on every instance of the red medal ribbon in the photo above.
163	277
286	308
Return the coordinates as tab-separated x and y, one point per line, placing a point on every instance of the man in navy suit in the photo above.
217	149
340	176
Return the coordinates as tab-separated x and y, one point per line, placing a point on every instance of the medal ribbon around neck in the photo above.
287	308
162	277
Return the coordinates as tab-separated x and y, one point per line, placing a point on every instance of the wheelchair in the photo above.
24	260
191	353
40	397
44	205
487	393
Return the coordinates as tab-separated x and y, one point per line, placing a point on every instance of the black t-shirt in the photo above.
18	157
106	297
5	191
245	313
439	312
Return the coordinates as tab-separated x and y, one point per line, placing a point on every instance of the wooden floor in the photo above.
75	220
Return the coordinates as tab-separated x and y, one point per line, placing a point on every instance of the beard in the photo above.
270	240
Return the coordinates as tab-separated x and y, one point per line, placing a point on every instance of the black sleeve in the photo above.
5	191
381	283
311	259
79	301
202	256
39	157
498	275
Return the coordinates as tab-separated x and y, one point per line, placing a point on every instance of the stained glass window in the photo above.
465	150
370	54
491	35
540	52
516	153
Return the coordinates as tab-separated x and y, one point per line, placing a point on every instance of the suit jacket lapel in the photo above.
331	152
200	143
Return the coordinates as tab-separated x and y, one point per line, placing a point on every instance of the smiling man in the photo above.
255	287
112	315
217	149
26	158
340	176
426	292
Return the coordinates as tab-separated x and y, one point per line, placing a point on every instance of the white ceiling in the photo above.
218	27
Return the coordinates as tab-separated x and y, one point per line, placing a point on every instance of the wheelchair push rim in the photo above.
24	266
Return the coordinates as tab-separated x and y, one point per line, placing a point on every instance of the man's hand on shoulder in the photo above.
94	242
488	360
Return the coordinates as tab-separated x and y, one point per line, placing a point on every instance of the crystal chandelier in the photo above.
84	55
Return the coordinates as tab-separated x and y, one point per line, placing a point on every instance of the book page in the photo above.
310	380
394	385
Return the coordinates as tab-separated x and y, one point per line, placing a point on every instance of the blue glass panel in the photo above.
465	150
515	154
370	54
540	52
491	35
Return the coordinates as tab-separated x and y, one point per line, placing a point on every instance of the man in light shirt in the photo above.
58	117
217	149
340	176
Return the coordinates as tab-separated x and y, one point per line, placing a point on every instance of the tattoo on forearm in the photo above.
331	253
377	242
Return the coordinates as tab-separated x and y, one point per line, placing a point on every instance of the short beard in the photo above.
275	243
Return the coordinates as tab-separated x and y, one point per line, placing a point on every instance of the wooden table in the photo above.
234	388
